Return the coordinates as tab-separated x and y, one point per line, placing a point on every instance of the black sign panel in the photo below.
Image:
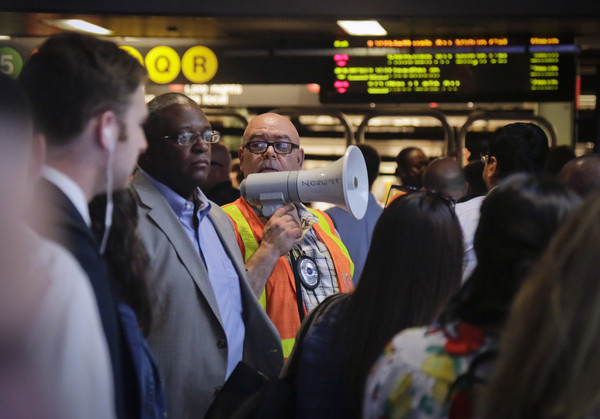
494	69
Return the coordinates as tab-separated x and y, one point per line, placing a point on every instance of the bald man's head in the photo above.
582	174
446	176
270	144
268	122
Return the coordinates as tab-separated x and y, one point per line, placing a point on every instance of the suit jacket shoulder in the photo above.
187	337
62	223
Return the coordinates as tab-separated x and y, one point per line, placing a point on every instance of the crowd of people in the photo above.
137	283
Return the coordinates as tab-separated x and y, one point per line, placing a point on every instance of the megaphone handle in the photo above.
269	207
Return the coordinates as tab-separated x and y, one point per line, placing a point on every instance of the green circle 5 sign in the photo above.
11	62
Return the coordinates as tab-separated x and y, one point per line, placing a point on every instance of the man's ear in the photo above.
300	158
107	130
241	158
37	156
490	172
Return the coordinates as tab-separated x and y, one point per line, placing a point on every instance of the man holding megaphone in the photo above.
294	257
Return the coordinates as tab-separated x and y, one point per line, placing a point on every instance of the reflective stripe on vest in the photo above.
287	345
250	243
285	319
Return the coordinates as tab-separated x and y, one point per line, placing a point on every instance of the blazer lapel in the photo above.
163	216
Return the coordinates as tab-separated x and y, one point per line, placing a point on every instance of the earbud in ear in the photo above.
110	138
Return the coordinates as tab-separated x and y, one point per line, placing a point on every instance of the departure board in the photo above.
493	69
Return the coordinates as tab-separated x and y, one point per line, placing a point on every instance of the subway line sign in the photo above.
11	62
198	64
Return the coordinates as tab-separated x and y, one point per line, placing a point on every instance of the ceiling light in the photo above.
4	38
362	27
78	25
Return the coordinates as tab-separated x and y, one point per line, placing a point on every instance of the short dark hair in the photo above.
158	104
519	148
402	158
372	159
73	77
518	220
14	105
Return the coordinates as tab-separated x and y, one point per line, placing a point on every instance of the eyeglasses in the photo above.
397	191
259	147
485	158
191	138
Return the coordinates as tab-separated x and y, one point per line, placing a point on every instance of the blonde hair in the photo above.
550	351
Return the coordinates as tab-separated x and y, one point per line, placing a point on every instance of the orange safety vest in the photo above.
279	297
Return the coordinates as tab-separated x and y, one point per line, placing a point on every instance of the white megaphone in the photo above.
343	183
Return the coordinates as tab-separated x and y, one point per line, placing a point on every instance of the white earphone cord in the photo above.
109	200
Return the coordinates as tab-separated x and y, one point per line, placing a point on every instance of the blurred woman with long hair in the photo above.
549	362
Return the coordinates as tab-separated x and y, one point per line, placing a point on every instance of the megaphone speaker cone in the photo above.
343	183
356	182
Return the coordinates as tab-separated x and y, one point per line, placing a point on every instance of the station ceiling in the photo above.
295	32
314	9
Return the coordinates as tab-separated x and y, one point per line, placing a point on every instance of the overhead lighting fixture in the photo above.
4	38
78	25
362	27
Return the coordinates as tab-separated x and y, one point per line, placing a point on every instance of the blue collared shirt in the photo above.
221	272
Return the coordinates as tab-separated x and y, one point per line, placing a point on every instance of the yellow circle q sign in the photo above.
134	53
199	64
163	64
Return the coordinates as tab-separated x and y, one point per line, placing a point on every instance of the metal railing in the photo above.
447	129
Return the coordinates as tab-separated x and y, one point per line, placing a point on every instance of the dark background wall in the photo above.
320	8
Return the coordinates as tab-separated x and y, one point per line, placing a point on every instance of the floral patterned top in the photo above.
419	366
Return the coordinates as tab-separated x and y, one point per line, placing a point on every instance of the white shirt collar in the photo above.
71	189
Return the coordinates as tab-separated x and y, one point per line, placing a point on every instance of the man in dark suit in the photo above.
209	317
88	103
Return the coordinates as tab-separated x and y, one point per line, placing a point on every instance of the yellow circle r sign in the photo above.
199	64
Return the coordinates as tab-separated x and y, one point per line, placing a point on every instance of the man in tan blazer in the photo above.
207	318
